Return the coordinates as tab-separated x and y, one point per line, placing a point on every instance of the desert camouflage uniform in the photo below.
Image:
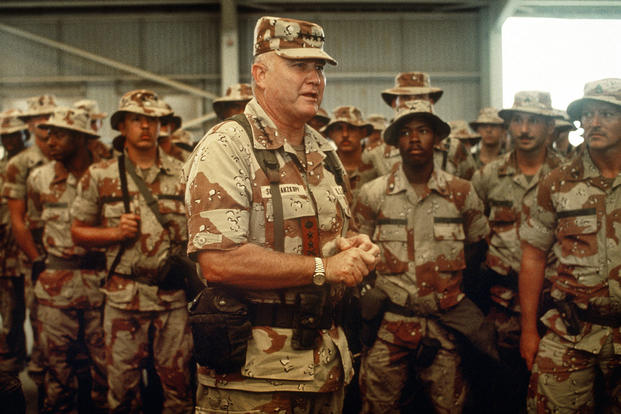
576	215
503	188
137	315
12	306
422	241
69	298
229	205
14	187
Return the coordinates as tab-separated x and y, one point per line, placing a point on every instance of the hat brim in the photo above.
24	116
118	115
7	131
306	53
441	128
575	108
52	124
326	128
506	114
474	124
219	104
389	94
99	116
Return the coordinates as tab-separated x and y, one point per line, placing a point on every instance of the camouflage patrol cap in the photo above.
10	122
90	106
38	105
379	122
241	92
603	90
487	116
73	119
531	102
348	115
461	130
143	102
412	83
415	109
290	39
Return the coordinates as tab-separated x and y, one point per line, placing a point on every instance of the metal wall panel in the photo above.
22	57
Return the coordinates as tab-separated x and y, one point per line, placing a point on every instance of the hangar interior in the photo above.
190	51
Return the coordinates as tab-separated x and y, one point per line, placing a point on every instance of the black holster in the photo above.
176	273
38	266
220	328
372	307
569	314
310	309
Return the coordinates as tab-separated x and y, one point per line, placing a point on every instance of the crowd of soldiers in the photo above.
355	264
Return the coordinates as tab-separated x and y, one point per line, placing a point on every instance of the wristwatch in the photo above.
319	277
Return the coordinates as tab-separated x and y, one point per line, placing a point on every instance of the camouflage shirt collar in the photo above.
164	162
61	174
509	164
398	181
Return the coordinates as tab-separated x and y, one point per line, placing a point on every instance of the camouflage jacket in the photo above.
449	155
9	251
503	189
422	239
51	190
576	215
229	204
99	202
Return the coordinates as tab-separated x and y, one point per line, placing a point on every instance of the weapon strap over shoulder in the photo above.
125	193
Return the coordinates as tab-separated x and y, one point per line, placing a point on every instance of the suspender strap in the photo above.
142	187
125	192
269	165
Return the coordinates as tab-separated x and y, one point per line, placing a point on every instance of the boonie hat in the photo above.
290	39
241	92
73	119
603	90
10	122
412	83
562	122
379	122
90	106
461	130
531	102
413	109
143	102
183	139
489	116
349	115
39	105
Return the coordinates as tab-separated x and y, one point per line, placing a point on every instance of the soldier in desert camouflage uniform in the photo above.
450	155
562	127
576	215
347	129
141	317
231	224
13	134
165	140
461	131
26	226
493	133
234	100
67	291
422	218
91	107
379	123
503	185
320	120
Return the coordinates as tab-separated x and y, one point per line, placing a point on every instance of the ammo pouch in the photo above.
425	353
175	272
569	314
220	328
310	309
372	307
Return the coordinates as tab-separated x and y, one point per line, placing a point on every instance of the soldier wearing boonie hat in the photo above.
320	119
144	310
70	314
347	129
461	131
27	227
493	133
379	123
560	137
574	218
92	108
12	305
411	85
413	274
234	100
165	138
505	185
280	273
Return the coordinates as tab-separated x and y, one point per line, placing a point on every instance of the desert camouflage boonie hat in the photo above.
487	116
349	115
73	119
562	122
241	92
90	106
531	102
290	39
415	109
143	102
379	122
412	83
461	130
10	122
603	90
322	117
39	105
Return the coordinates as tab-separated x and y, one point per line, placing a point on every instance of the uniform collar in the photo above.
398	182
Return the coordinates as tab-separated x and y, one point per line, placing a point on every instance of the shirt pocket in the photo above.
502	215
392	237
171	207
577	236
449	236
112	213
58	212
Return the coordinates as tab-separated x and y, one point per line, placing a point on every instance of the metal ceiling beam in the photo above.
503	9
21	4
571	3
107	62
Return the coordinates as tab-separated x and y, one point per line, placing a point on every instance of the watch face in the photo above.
319	278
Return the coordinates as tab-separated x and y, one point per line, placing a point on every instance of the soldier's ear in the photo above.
259	70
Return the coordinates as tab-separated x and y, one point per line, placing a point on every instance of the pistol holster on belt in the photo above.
372	307
310	309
